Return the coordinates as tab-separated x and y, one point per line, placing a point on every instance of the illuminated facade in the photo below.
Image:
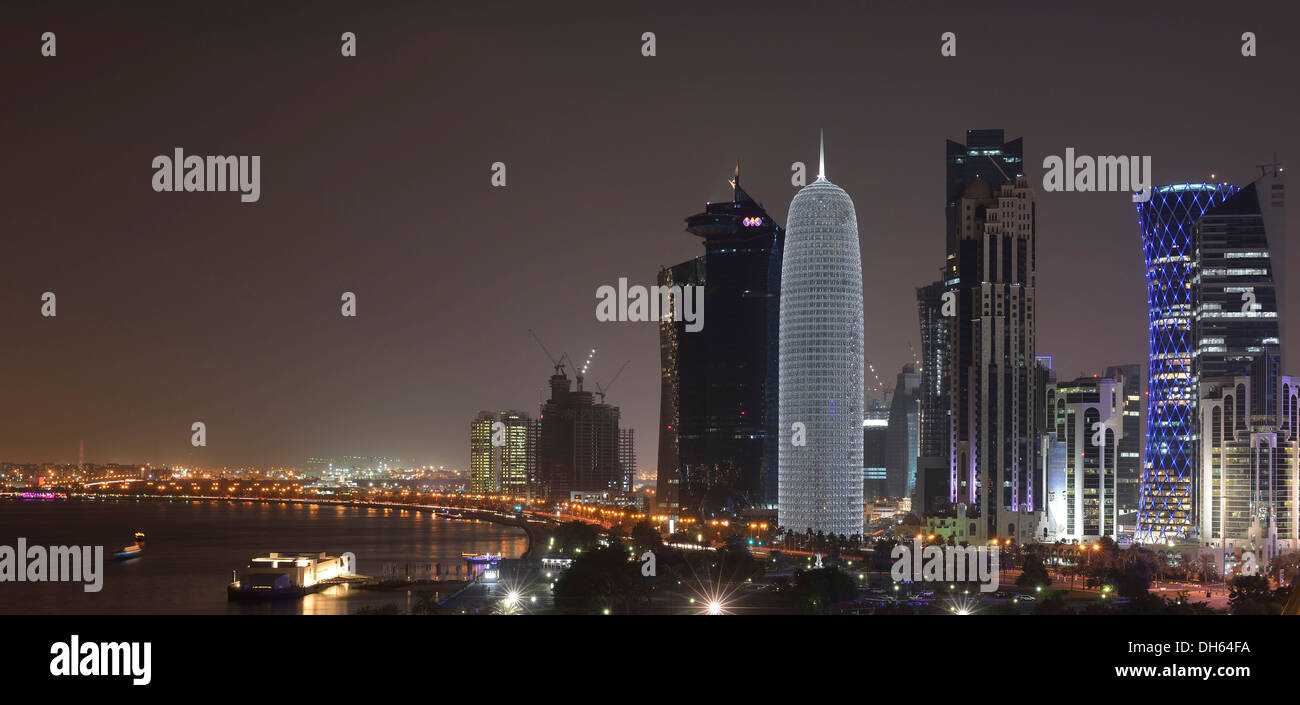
1167	219
508	466
821	364
1085	417
1250	460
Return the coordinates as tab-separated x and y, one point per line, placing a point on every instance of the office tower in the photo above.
821	358
1250	460
674	340
726	373
577	443
991	363
876	435
1166	490
1129	471
508	465
627	457
901	452
1239	255
1086	416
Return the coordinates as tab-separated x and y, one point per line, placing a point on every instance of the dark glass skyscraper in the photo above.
726	373
1240	256
901	448
1167	221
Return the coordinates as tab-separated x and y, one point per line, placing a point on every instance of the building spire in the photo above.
735	183
821	154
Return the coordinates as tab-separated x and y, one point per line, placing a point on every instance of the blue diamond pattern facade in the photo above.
1165	504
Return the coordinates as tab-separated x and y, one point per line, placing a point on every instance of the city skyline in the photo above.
178	308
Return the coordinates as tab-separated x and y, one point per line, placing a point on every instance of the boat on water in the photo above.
132	552
482	558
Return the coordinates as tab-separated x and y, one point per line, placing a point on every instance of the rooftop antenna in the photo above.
821	154
1263	168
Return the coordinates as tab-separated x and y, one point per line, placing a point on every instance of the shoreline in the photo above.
487	515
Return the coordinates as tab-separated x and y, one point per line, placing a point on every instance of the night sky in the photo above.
183	307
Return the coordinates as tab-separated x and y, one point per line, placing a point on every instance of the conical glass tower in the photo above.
821	364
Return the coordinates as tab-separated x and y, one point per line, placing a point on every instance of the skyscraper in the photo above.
876	433
1129	470
901	448
1086	417
1167	220
986	157
577	443
723	379
821	363
1239	259
1249	489
674	342
502	460
991	363
627	457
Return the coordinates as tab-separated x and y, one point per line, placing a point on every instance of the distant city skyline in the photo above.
175	308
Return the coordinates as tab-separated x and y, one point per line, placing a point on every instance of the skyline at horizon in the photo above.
179	308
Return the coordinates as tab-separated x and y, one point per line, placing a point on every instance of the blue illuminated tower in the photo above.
1165	505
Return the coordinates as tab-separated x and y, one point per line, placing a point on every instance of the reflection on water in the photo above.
193	546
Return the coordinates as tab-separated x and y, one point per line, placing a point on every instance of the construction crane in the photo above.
559	364
600	391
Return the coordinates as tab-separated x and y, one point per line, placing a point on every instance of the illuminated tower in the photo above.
821	364
1168	469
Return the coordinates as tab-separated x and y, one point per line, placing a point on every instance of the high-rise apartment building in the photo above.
502	453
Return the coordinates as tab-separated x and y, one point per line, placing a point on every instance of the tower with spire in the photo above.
821	383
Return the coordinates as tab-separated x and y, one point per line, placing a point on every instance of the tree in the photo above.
1251	594
601	579
645	537
819	589
1288	564
1033	572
